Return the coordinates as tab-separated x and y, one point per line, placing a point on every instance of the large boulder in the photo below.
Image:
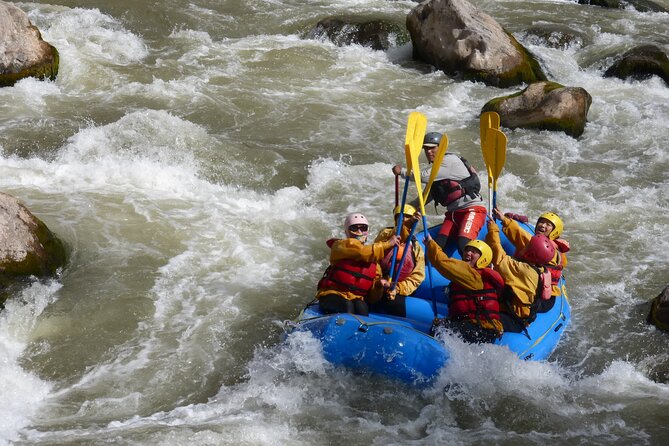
641	63
373	33
659	310
27	247
544	106
23	53
465	42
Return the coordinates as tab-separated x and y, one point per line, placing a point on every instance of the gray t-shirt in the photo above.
451	168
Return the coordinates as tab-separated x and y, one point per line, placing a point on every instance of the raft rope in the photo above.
290	325
560	319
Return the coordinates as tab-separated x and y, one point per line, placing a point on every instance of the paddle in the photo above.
499	143
416	125
441	151
412	162
488	121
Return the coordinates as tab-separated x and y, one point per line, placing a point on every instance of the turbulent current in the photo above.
195	155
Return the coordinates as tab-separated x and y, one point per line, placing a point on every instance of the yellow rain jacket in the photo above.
460	272
412	281
353	249
519	276
520	238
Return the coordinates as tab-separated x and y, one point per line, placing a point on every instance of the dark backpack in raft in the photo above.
446	191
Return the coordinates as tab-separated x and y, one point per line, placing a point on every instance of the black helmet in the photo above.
432	138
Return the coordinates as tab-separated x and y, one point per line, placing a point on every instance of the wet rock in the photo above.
23	53
544	106
27	247
659	310
375	34
641	63
639	5
552	36
467	43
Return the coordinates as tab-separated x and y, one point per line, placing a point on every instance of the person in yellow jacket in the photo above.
391	298
354	268
527	281
548	224
473	298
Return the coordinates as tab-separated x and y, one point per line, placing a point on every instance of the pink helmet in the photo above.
355	218
539	251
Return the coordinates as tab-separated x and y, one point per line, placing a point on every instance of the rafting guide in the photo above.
456	187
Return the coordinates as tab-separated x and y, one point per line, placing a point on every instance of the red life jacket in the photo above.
477	304
561	246
354	276
544	289
407	267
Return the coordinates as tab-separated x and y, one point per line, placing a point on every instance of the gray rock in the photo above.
23	53
27	246
544	106
659	310
373	33
553	36
467	43
641	63
639	5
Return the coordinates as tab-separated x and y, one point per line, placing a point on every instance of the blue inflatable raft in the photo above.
402	348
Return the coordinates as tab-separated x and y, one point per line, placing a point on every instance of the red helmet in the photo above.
539	251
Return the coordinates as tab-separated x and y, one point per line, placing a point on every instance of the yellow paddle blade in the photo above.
488	120
438	157
419	132
413	143
498	141
416	143
414	117
488	150
416	126
416	177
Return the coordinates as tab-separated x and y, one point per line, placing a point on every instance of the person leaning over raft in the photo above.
473	300
456	187
412	274
548	224
353	270
528	289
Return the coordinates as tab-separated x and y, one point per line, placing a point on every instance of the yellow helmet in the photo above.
408	210
484	249
556	221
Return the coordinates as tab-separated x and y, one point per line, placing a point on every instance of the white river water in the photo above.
195	155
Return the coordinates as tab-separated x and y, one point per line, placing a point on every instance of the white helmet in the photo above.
355	219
